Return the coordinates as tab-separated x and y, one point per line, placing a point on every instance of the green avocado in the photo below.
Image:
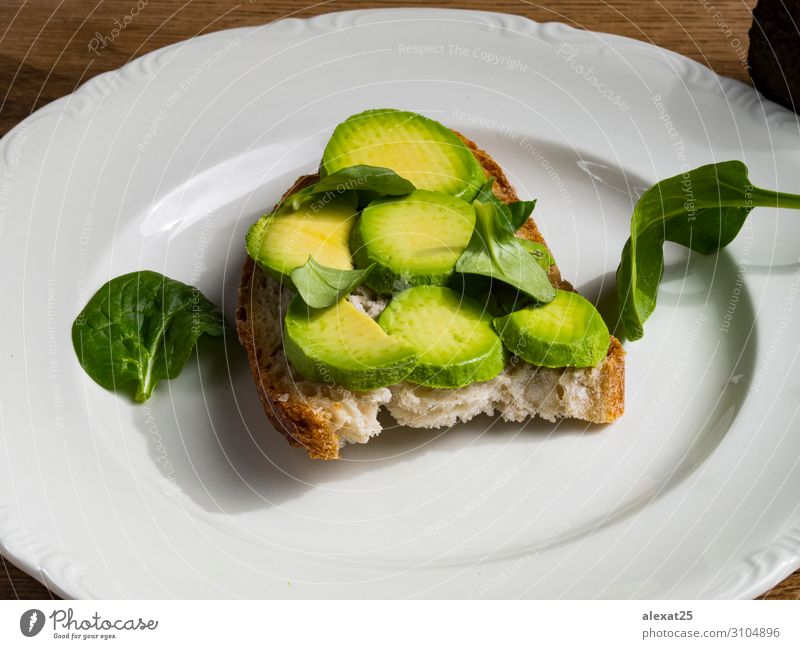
417	148
452	334
284	240
344	346
567	332
413	240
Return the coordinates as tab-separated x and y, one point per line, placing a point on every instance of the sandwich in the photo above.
407	275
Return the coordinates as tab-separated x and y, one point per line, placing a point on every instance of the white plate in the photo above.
163	165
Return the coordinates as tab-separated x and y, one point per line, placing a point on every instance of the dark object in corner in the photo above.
774	56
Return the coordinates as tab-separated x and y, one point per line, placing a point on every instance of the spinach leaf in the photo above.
140	328
702	209
321	286
520	211
494	251
512	215
540	253
373	181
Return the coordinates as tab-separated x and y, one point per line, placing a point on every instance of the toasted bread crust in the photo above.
301	424
312	429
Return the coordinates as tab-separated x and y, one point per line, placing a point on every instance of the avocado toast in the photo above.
323	374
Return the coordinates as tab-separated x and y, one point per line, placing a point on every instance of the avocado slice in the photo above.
452	333
342	345
413	240
284	240
567	332
417	148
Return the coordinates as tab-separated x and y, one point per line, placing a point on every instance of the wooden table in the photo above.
44	54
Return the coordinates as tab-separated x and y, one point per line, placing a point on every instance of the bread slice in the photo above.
323	418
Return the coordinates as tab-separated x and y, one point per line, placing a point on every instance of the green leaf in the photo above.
512	215
495	252
140	328
374	181
540	253
702	209
321	286
520	212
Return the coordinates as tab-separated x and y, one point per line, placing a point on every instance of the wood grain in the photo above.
44	54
